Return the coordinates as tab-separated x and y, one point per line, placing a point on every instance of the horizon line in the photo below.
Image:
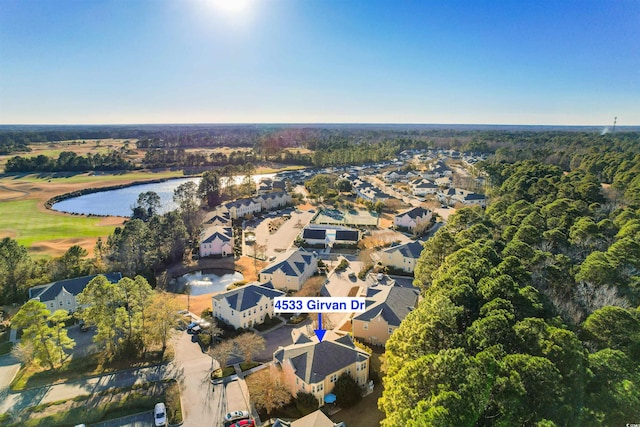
313	124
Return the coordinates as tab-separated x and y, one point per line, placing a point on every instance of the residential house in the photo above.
217	219
291	270
216	240
387	306
245	306
242	207
401	257
314	367
423	187
412	218
314	236
329	235
62	294
271	201
314	419
457	195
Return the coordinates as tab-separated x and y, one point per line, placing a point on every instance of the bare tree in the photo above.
249	344
221	353
268	391
23	351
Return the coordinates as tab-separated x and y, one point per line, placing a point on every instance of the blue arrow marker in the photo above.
320	332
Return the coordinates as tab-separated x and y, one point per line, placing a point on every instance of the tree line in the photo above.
129	317
530	313
69	162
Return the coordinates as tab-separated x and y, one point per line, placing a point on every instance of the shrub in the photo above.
347	391
342	265
306	403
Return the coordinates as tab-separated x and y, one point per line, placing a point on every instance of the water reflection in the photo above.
207	283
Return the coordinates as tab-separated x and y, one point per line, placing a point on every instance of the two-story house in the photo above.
387	306
216	241
245	306
401	257
314	367
411	218
290	270
62	294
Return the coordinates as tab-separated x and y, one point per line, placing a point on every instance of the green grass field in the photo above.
93	177
30	225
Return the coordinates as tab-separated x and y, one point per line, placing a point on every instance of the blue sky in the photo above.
320	61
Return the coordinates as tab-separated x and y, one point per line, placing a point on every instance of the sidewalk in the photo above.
15	401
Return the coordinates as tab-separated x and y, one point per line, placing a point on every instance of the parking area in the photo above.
282	239
138	420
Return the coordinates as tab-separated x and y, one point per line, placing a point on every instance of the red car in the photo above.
244	423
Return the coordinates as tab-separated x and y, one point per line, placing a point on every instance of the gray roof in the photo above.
74	286
314	361
247	296
224	234
347	235
295	264
400	301
415	213
314	233
408	250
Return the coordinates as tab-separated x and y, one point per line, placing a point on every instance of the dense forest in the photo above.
69	162
531	308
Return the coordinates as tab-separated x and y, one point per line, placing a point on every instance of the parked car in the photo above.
244	423
236	415
160	414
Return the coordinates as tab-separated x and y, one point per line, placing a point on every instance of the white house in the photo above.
401	257
271	201
245	306
241	207
62	294
411	218
424	187
216	240
291	270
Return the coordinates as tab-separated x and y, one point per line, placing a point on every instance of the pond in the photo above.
202	283
119	202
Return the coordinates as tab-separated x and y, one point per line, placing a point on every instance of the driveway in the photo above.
282	239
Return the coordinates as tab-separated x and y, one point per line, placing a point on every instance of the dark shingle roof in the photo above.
73	286
223	234
293	265
311	233
347	235
411	250
243	298
395	308
415	213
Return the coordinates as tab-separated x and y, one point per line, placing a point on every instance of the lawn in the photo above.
22	220
98	407
85	367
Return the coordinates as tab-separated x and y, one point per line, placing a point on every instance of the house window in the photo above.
302	386
365	326
390	330
244	314
60	303
334	378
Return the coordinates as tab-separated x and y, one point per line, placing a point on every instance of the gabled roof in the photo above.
408	250
212	233
294	263
74	286
314	361
397	304
246	297
219	217
415	213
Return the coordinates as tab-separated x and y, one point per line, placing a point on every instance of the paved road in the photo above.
16	401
